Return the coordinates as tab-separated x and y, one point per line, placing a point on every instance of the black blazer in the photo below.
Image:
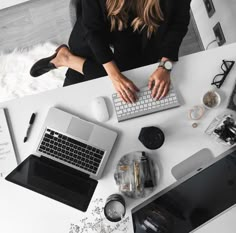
92	30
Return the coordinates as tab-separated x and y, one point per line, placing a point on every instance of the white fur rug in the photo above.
15	80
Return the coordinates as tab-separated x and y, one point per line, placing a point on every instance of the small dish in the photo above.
115	208
211	99
136	174
196	112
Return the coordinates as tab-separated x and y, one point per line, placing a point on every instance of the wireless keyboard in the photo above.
144	105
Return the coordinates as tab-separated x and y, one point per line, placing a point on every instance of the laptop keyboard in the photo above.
71	151
144	105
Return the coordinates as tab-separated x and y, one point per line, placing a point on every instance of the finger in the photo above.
133	90
132	87
165	91
155	89
125	96
150	84
122	96
159	92
129	95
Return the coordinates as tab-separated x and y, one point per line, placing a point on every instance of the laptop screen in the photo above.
54	180
191	203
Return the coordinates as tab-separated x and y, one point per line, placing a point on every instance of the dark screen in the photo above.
193	202
54	180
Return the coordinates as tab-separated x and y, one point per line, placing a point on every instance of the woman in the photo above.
141	32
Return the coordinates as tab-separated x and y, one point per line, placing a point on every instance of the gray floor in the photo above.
34	22
39	21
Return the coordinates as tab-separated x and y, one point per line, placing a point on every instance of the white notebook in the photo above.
7	153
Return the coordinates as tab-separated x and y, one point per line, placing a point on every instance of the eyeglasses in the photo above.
219	79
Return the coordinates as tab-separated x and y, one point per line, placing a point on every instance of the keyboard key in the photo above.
117	100
96	160
101	152
98	156
48	136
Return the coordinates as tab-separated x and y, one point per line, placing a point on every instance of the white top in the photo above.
24	211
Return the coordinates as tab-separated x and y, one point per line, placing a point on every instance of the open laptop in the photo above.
69	158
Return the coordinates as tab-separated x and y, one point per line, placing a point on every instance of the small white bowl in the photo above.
211	99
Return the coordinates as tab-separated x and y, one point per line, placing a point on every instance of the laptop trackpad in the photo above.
80	129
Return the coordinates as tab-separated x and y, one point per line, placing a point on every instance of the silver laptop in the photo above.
75	142
70	157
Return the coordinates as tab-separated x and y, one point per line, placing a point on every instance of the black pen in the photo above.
32	118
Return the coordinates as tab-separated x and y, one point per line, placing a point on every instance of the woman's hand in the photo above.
125	88
159	83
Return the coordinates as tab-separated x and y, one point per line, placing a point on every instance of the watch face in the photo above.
168	65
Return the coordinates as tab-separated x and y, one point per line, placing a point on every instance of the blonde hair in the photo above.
148	14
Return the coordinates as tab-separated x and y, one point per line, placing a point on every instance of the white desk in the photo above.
24	211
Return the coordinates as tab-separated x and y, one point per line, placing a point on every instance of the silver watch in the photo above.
167	65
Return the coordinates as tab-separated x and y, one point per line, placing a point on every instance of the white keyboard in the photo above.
144	105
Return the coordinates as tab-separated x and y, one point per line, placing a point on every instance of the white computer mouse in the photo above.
99	109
